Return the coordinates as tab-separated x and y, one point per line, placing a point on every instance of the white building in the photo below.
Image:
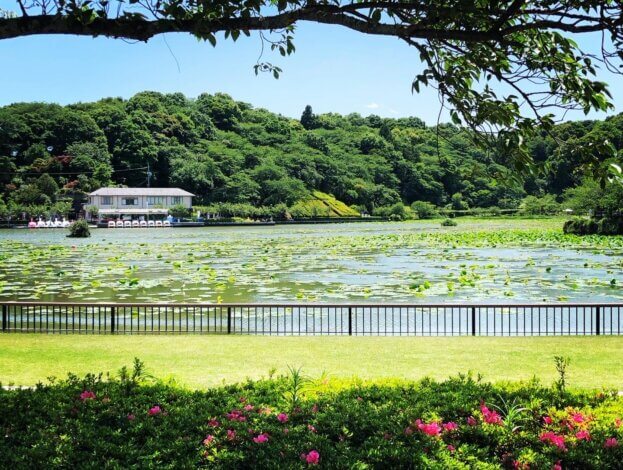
136	203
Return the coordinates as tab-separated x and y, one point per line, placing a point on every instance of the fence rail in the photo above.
316	319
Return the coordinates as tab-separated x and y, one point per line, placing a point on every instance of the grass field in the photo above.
200	362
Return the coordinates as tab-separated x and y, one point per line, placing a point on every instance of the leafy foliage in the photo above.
79	229
501	67
296	422
322	205
545	205
448	223
424	210
228	152
589	226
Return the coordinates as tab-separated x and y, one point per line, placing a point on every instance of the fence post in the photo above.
228	320
473	321
350	321
4	317
598	321
112	320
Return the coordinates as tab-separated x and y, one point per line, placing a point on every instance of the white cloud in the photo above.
373	106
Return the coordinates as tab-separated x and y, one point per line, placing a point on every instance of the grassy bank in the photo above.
200	362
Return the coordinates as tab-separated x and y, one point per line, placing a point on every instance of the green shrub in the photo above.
458	203
425	210
448	223
295	422
179	211
79	229
494	211
394	212
572	226
93	211
580	226
533	205
609	226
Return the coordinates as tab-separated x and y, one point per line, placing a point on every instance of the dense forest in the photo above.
231	154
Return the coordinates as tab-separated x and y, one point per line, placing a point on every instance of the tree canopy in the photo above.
501	67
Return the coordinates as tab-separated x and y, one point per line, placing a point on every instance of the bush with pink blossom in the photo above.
458	423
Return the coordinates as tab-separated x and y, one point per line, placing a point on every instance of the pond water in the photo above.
510	261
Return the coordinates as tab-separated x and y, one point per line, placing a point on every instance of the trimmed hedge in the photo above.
319	204
604	226
292	422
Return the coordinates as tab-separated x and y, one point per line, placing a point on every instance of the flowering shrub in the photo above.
87	395
459	423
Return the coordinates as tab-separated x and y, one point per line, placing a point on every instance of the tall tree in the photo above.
308	118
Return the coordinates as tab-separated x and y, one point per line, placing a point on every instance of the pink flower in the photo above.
155	410
471	421
131	417
548	420
583	435
235	415
248	407
314	408
282	417
431	429
286	430
490	416
231	434
312	458
451	426
611	442
578	418
261	438
451	448
311	428
213	423
208	440
87	395
553	439
557	466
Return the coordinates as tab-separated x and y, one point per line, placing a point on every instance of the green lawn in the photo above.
204	361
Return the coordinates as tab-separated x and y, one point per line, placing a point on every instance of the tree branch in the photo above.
142	29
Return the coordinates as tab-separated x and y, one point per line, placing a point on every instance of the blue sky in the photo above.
333	69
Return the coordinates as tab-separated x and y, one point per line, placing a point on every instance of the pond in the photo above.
421	262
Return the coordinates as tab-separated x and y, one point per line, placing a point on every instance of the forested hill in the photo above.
228	151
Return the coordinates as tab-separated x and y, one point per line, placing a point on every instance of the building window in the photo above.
106	200
176	200
154	200
129	201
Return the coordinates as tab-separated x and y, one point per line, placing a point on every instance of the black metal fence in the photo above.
316	319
